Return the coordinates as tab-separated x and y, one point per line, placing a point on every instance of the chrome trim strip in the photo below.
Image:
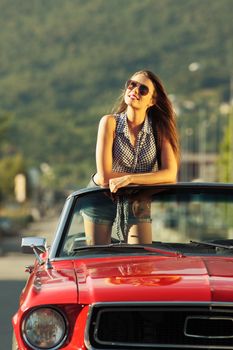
208	304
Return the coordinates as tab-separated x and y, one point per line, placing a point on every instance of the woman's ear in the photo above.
152	102
154	99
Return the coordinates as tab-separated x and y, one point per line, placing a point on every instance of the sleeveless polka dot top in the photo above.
140	158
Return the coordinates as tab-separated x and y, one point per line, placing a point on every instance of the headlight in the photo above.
44	328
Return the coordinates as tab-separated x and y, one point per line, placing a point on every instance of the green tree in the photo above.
225	164
64	63
11	161
10	166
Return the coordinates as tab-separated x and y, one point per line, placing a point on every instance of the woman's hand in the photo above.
118	182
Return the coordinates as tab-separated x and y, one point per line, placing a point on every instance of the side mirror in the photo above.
29	244
36	245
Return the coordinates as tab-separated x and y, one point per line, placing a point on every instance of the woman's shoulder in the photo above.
108	121
108	118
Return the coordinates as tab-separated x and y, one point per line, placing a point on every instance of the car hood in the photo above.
153	278
50	286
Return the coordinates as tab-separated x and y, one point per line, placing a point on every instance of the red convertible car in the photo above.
175	292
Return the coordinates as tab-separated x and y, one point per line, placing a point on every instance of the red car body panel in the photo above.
58	284
81	282
85	282
155	278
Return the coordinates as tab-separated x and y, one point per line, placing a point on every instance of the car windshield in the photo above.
182	221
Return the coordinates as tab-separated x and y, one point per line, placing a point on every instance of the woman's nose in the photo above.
136	88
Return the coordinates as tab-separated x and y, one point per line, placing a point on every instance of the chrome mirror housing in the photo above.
28	244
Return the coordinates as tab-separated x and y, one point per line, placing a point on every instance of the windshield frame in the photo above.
70	203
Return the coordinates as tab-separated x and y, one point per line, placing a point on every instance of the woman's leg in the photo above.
140	233
97	233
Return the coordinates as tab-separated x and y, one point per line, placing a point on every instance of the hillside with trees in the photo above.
63	65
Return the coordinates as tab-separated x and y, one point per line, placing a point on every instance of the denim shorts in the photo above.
101	208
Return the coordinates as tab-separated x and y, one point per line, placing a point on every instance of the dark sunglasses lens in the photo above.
130	84
143	89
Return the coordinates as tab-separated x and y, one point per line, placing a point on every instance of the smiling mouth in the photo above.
133	97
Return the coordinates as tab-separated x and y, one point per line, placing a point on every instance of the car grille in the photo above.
160	326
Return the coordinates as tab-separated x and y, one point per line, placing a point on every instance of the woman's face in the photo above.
140	92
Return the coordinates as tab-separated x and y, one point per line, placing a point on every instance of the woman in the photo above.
138	145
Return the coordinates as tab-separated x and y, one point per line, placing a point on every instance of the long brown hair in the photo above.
161	113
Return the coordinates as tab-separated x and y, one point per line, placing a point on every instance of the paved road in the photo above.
13	275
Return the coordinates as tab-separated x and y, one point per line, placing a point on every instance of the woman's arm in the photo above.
104	144
167	174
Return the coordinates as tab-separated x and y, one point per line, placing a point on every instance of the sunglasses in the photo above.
143	89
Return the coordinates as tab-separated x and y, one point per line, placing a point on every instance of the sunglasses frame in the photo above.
132	84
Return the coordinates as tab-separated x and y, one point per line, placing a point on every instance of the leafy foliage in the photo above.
64	63
226	152
9	167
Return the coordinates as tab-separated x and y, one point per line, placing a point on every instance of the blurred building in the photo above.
201	166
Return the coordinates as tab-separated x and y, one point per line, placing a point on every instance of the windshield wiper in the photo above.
126	246
215	245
